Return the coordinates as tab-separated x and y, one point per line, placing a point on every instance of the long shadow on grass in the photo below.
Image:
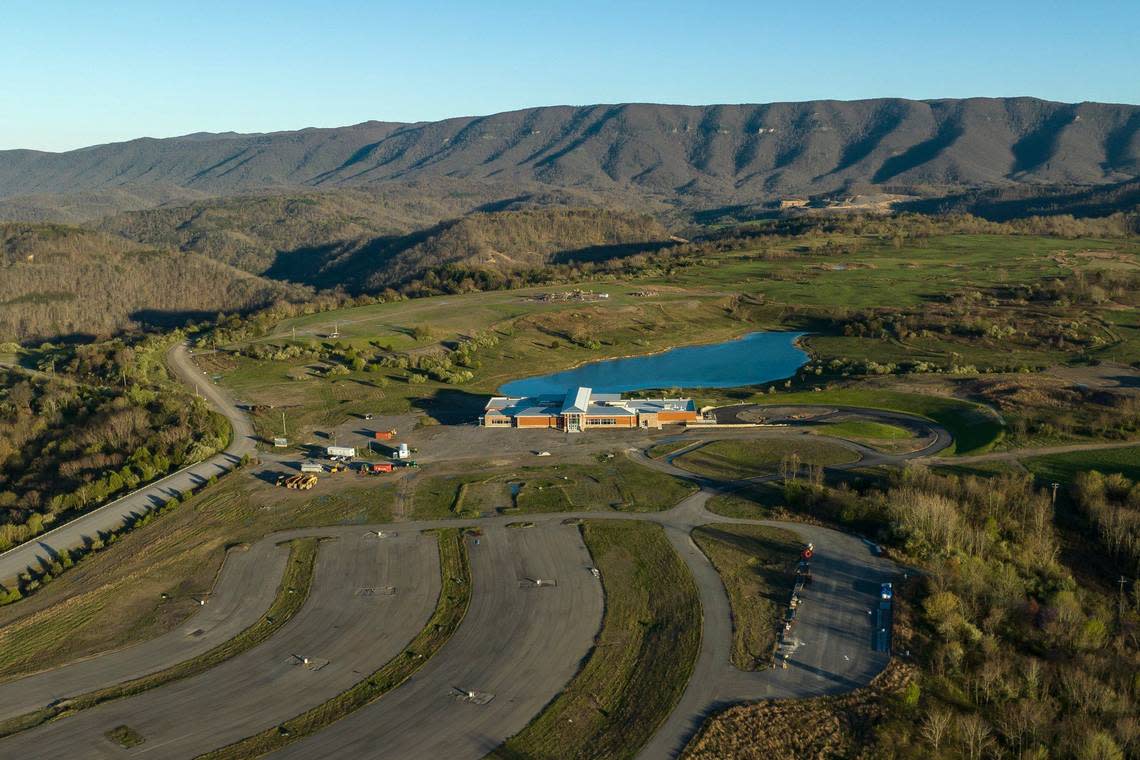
451	406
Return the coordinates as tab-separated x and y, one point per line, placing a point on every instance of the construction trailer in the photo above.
311	466
341	451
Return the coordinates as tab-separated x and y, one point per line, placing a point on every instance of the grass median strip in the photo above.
975	428
454	597
642	658
745	458
757	564
291	596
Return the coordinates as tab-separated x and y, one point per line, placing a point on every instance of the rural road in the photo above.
76	532
244	590
516	649
343	630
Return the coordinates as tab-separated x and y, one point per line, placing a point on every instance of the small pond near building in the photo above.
758	357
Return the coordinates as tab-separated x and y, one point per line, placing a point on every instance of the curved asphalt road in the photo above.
245	588
370	597
74	533
518	645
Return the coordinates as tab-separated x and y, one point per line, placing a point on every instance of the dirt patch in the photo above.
801	728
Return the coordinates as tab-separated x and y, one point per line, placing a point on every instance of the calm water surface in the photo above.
756	358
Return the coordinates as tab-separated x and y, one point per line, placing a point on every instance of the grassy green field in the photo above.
757	565
642	659
291	596
734	459
116	597
975	428
612	484
454	597
1063	468
865	429
754	502
662	450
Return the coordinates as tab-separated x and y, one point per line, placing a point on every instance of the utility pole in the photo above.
1055	487
284	434
294	332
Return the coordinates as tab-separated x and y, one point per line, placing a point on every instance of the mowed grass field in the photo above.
757	564
612	484
735	459
878	431
642	659
115	597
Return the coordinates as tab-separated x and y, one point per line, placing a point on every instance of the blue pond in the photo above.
756	358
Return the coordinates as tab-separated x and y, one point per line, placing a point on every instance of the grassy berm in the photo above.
642	659
757	565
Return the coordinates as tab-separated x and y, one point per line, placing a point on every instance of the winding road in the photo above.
518	646
78	531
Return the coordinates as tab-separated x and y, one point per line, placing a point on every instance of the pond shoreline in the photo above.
796	343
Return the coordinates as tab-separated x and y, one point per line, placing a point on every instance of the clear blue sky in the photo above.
83	72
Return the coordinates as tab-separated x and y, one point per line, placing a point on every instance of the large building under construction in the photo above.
582	409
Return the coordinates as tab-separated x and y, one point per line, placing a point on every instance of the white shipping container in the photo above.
341	451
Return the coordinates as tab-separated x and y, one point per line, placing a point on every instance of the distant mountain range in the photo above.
691	156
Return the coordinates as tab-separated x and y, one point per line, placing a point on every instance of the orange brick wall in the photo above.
676	416
536	422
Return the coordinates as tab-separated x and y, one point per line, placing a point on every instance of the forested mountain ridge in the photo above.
351	240
695	154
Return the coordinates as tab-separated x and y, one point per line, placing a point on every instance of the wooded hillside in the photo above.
57	281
